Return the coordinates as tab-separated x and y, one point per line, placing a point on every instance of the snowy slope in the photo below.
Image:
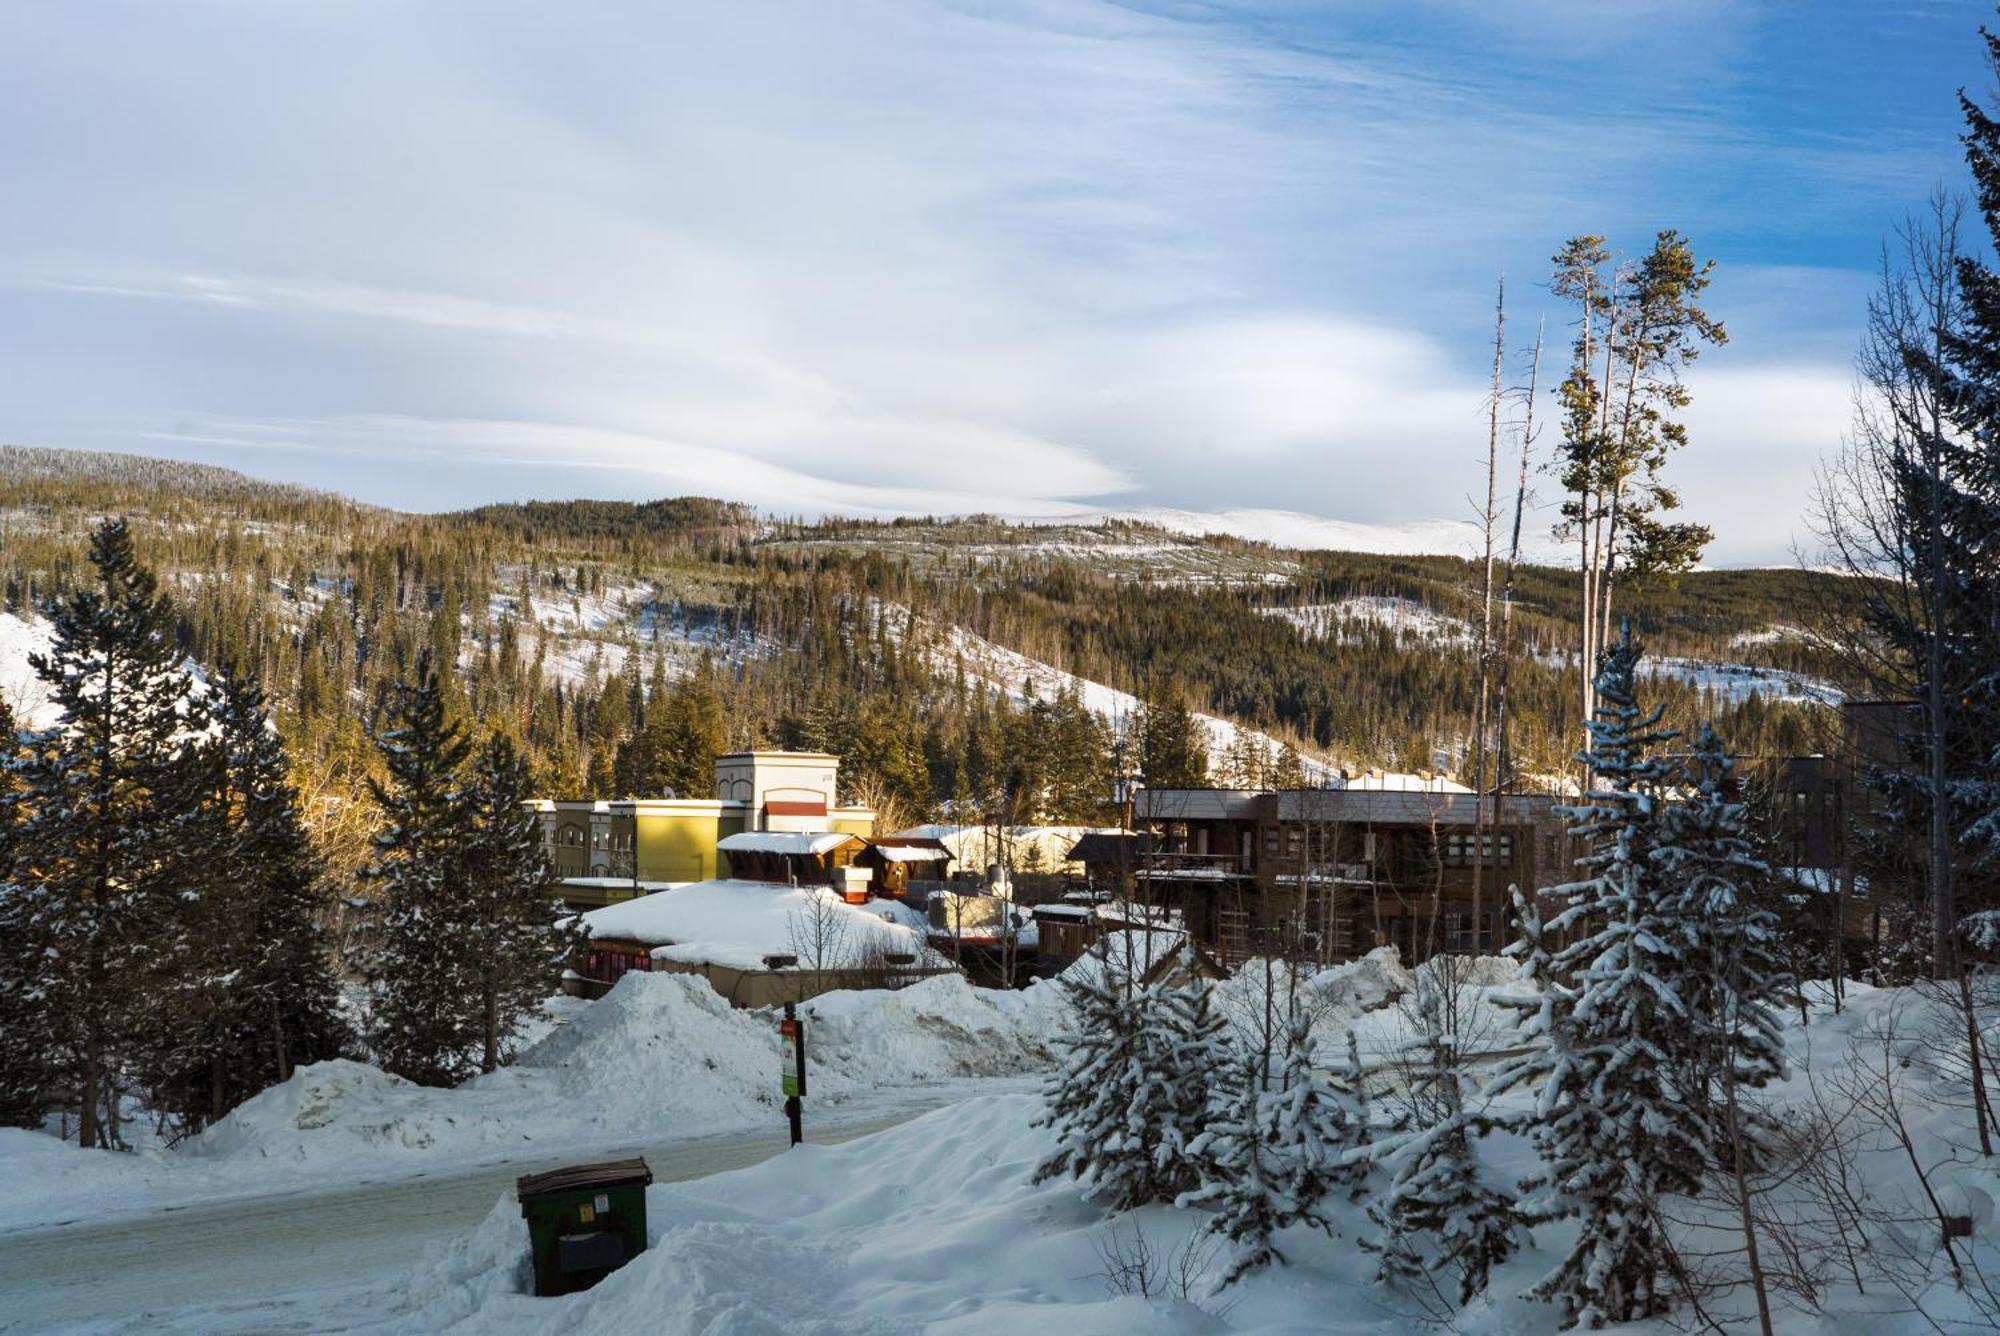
1295	529
24	693
1409	619
1013	674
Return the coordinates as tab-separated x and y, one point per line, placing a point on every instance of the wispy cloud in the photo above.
880	256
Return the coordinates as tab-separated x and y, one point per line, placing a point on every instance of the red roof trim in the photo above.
802	808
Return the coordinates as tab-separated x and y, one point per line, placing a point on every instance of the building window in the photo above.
1459	847
571	836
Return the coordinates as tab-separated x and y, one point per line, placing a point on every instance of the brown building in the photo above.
1334	873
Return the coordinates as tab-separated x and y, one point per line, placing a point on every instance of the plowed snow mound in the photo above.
660	1055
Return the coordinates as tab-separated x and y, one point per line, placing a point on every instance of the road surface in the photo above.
241	1253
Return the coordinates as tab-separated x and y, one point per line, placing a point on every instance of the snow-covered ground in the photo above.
1734	683
661	1056
24	693
936	1225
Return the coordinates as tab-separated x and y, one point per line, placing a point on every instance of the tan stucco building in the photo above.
605	851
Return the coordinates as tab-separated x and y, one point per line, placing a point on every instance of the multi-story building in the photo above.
1333	873
607	851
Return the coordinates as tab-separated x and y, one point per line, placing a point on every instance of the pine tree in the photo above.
1133	1090
1438	1213
1173	753
104	822
283	989
27	1072
419	1024
506	909
1730	976
1617	1130
1274	1152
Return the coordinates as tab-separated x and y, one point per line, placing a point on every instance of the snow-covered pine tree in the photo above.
104	808
26	1069
1134	1088
419	1025
1730	977
508	903
1272	1154
1438	1212
1618	1132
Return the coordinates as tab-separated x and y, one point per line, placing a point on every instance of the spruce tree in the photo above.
419	1026
1134	1088
1730	975
1275	1150
1618	1132
27	1072
104	823
506	907
1438	1213
283	991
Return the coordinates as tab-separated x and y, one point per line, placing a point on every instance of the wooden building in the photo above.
1334	873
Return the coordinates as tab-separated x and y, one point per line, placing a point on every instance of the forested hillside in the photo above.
959	665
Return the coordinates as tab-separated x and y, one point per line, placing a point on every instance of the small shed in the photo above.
790	857
897	863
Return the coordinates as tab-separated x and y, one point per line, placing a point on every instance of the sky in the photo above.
911	256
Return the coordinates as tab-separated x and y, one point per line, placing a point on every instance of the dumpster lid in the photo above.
576	1177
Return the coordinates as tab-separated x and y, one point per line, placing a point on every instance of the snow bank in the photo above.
659	1056
932	1226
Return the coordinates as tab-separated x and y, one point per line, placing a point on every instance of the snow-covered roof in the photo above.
813	843
614	883
905	853
738	923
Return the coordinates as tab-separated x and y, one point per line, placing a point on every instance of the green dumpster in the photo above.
584	1222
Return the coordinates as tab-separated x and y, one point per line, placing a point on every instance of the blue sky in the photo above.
909	256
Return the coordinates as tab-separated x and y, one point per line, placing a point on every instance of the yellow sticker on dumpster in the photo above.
585	1214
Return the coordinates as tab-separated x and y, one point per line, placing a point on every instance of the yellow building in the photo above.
607	851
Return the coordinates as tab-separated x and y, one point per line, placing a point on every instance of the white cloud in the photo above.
873	256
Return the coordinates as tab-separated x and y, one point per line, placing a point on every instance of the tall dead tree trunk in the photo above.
1481	719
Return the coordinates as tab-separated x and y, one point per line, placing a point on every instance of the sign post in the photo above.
792	1051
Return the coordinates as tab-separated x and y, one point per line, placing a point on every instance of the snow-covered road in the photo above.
281	1262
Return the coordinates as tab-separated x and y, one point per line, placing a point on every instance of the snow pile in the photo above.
936	1028
658	1055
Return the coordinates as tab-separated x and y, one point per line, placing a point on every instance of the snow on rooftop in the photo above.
903	853
810	843
738	923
